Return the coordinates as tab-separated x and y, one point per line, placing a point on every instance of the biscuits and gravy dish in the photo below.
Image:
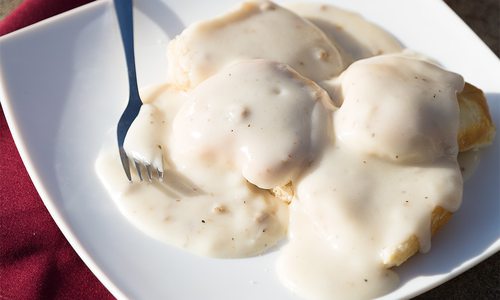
307	123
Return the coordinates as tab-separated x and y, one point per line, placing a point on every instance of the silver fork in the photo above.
124	13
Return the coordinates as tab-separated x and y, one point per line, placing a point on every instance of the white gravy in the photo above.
206	209
258	29
243	113
376	185
356	37
257	116
468	162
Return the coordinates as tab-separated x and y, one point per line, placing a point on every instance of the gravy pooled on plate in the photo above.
278	122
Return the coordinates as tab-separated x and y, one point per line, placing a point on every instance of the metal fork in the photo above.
124	13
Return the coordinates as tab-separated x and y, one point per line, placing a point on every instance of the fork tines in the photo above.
140	167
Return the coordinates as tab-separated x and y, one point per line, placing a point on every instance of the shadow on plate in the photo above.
161	14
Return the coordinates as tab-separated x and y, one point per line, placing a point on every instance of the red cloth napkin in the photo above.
36	261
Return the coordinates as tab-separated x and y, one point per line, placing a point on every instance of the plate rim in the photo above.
62	223
34	175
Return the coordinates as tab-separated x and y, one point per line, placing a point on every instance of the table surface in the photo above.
482	281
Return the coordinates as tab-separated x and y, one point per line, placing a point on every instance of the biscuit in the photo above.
476	130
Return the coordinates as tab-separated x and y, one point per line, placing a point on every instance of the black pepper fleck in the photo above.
202	221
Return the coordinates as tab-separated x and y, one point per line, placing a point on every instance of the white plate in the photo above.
63	86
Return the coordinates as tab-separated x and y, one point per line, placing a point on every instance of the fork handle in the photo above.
126	23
